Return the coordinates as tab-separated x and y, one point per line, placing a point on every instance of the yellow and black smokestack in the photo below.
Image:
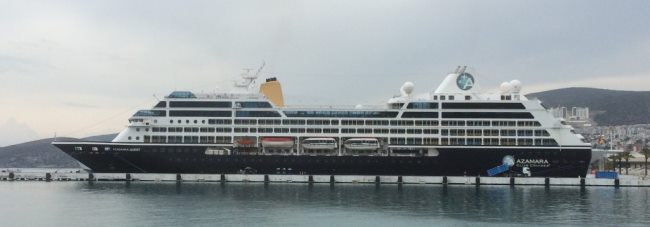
273	91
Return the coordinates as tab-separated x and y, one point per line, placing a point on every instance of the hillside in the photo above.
610	107
40	153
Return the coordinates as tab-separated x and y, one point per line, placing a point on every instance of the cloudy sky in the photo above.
81	68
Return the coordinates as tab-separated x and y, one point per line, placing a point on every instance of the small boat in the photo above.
362	144
277	142
245	141
319	144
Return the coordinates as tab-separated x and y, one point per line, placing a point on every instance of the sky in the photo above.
81	68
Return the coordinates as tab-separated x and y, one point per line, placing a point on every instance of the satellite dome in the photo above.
407	88
505	87
516	86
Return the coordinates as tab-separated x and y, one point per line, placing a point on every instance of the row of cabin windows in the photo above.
443	132
212	104
343	114
488	115
188	139
393	141
473	141
366	122
476	132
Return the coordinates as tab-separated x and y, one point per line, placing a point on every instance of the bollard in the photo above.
547	182
222	178
310	179
91	177
512	181
179	177
444	180
399	180
332	180
377	180
617	183
478	181
582	182
266	179
48	177
12	176
128	177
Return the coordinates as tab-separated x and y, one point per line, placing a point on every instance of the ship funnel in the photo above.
273	91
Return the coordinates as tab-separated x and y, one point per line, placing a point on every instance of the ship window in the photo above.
191	129
435	97
482	105
137	138
396	105
342	114
150	113
467	97
200	104
161	104
137	129
179	121
422	105
129	138
257	114
442	97
219	121
451	97
171	121
196	113
181	95
520	115
253	105
420	115
195	121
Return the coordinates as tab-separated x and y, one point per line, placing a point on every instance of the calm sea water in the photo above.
253	204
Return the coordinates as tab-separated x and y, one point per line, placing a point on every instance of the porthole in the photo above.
187	121
202	121
171	121
195	121
129	138
146	129
155	121
179	121
137	138
137	129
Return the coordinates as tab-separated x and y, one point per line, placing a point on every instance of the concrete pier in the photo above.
624	181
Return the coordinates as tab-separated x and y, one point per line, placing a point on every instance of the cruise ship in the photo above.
454	130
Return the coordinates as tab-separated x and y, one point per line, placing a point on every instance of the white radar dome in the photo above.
407	88
358	106
505	87
516	86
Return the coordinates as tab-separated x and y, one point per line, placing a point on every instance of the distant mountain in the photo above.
609	107
41	154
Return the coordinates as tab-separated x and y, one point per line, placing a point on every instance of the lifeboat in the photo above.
245	141
319	144
277	142
361	144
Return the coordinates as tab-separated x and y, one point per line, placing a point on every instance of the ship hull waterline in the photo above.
450	161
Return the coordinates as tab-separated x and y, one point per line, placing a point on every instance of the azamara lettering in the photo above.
532	163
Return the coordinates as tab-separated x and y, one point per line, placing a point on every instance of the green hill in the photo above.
609	107
40	154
